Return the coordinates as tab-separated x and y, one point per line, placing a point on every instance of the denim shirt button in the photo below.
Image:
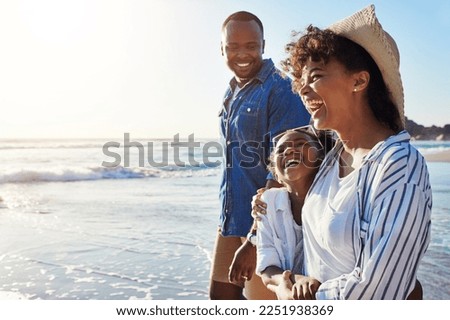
248	109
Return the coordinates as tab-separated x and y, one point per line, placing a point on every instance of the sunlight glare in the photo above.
58	22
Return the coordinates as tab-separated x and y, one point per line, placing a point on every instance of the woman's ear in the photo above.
361	80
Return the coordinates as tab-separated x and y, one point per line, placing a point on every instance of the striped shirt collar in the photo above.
378	149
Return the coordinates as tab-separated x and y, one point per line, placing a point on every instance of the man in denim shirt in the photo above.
258	105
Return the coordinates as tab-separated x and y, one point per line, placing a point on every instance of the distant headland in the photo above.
420	132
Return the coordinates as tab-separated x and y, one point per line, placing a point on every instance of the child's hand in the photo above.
284	290
244	264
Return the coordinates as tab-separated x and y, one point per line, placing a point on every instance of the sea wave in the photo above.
98	173
85	143
430	147
433	150
21	145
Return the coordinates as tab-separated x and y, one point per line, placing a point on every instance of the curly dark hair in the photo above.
321	45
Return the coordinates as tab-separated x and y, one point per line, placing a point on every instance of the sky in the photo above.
153	69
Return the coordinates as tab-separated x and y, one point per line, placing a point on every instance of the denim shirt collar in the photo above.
261	76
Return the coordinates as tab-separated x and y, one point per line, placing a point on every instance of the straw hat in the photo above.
364	28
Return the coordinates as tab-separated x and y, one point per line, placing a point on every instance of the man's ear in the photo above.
221	48
263	45
361	82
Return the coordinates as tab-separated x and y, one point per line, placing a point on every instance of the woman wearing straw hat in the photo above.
366	218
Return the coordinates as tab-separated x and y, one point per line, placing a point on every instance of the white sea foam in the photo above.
11	295
72	173
432	150
430	147
50	144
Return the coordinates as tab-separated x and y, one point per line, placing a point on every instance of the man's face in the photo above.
243	47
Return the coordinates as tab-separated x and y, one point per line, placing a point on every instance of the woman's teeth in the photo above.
314	103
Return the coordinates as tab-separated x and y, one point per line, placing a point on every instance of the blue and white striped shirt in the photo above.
392	218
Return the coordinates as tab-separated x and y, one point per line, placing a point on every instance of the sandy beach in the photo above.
443	156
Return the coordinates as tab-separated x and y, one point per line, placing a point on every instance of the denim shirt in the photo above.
263	108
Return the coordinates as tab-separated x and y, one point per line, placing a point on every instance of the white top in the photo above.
389	224
329	211
280	240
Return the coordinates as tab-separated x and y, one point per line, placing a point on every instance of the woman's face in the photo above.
296	155
327	92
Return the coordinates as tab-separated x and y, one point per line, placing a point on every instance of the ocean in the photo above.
73	228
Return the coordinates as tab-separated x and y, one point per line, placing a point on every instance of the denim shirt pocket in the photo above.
247	122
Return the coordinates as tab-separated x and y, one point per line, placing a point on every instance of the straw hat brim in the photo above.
364	28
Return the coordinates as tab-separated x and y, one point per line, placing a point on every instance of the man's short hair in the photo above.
243	16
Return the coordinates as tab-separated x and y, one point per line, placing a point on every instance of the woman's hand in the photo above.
258	206
244	263
305	288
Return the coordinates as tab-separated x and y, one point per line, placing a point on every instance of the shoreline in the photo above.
443	156
11	295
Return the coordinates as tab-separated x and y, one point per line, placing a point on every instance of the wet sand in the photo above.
443	156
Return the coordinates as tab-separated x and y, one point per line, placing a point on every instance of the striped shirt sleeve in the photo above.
399	201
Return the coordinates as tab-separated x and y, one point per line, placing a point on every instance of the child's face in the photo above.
296	155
